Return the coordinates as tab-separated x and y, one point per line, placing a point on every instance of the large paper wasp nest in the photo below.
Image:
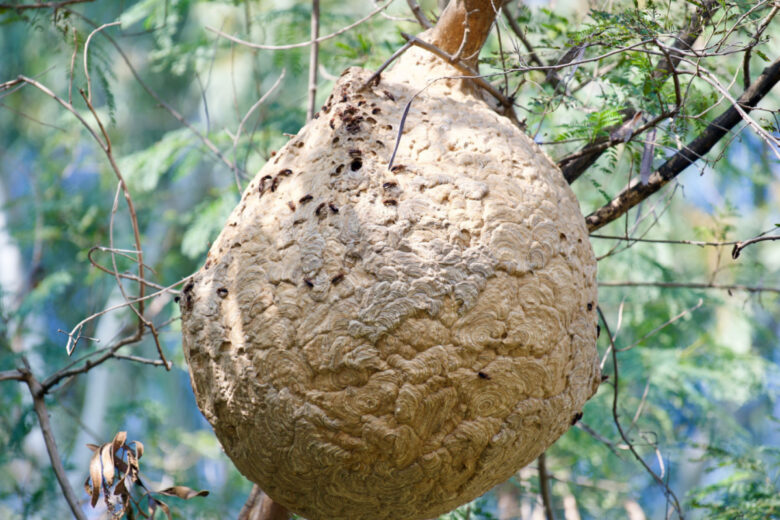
387	344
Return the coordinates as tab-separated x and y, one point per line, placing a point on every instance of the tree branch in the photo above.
636	192
43	5
38	392
544	487
260	506
693	285
419	15
314	53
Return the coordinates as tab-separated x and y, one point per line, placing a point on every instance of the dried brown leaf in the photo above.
153	503
119	440
107	463
96	476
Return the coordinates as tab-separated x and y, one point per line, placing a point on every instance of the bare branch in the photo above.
11	375
616	419
37	392
86	55
418	14
739	246
693	285
636	192
43	5
544	487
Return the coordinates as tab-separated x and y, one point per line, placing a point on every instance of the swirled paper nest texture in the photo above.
389	344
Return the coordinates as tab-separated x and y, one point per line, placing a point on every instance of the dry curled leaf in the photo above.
114	469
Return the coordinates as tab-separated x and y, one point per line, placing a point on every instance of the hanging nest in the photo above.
390	343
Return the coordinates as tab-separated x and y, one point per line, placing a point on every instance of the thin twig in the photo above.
205	140
374	77
663	326
616	419
301	44
86	55
313	58
739	246
243	121
693	285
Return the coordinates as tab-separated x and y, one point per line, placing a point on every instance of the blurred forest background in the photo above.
696	330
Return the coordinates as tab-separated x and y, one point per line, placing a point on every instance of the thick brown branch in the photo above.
636	192
464	26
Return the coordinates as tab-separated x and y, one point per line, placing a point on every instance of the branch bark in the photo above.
260	506
463	28
544	487
636	192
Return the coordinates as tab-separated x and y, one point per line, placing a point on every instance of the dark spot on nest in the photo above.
222	292
390	185
275	184
305	199
286	172
590	306
333	207
483	375
356	165
291	205
397	168
319	209
388	95
604	377
390	202
376	111
190	286
308	282
337	279
577	417
598	331
176	298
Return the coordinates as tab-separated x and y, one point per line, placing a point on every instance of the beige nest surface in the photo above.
375	343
